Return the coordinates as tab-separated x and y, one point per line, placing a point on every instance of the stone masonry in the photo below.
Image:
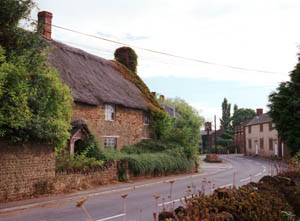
128	127
24	168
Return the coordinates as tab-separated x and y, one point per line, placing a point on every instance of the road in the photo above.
140	203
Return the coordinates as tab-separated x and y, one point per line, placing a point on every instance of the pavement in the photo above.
205	169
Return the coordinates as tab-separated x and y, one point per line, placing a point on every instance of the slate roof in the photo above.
94	80
263	118
170	109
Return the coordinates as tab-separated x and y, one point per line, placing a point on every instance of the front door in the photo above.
256	149
276	149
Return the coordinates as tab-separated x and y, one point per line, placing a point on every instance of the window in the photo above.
261	143
261	127
271	143
270	126
249	144
249	129
110	142
145	118
110	112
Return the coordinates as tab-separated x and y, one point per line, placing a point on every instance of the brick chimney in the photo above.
259	111
45	23
162	98
153	94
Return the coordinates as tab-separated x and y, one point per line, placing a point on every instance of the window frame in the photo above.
146	118
250	143
115	142
261	127
271	144
261	143
110	112
270	126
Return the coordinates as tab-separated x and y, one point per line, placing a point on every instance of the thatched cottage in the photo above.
114	108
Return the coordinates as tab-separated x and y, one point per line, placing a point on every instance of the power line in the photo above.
163	53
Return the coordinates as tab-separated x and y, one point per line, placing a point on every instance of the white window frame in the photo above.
110	142
146	118
110	112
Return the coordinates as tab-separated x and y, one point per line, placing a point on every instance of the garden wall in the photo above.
65	181
23	168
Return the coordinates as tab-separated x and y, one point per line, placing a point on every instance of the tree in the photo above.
285	110
235	108
240	114
185	128
35	104
226	140
226	116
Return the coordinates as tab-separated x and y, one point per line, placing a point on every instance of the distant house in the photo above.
262	138
239	136
207	142
114	108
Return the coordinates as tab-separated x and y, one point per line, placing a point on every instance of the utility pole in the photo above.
215	134
209	138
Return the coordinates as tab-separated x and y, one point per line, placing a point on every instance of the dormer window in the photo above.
146	118
110	112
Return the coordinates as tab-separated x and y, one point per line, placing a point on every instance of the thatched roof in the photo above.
94	80
78	125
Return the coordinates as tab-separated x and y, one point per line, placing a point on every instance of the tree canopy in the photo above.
285	110
240	114
35	104
185	128
226	115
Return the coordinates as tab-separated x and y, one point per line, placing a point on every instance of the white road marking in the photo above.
257	174
226	185
174	201
243	180
111	217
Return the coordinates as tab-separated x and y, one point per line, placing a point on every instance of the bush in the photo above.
244	203
157	164
76	162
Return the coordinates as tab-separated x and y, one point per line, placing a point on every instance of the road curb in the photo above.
89	195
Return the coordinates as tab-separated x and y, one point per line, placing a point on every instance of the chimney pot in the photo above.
45	23
259	111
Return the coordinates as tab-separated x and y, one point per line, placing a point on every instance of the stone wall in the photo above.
24	168
128	127
65	181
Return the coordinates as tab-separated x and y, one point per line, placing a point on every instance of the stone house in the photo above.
112	106
262	138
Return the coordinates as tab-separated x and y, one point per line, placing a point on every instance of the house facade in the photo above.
239	136
113	108
262	138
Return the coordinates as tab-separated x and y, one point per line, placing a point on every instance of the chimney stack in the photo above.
153	94
259	111
45	23
162	98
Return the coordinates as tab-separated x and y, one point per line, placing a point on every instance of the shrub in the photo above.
157	164
76	162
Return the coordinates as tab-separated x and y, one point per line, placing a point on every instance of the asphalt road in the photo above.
140	203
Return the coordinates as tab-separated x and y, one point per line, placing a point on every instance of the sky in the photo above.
252	34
